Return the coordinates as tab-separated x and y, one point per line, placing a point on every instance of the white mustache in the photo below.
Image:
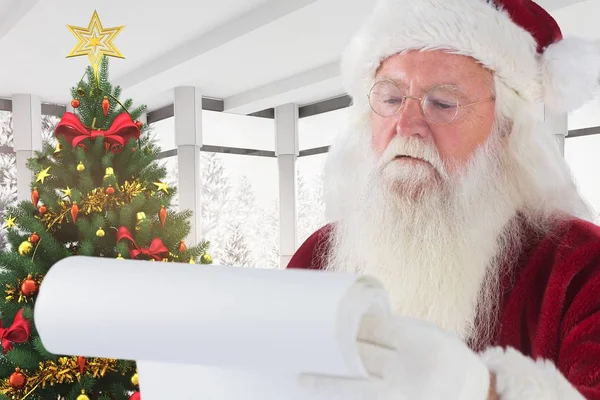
415	148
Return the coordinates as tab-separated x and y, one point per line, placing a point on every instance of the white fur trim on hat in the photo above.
477	29
571	70
521	378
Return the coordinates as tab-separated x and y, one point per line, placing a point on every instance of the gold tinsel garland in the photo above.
96	201
65	370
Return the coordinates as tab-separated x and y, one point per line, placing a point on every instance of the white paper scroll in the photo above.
244	333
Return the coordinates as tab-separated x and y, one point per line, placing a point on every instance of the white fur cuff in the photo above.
521	378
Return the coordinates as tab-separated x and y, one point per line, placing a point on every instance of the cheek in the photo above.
381	133
457	144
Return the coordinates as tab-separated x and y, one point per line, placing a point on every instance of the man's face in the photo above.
446	146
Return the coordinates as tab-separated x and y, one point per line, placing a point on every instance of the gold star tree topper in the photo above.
95	41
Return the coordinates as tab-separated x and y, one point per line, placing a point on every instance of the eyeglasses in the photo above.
439	105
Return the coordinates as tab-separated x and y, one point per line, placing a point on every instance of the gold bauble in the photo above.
108	172
135	380
192	261
141	216
25	248
100	232
120	257
206	259
82	396
80	166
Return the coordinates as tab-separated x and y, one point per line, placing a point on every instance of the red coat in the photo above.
552	310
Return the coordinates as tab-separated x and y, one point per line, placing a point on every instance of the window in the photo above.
320	130
8	171
49	123
163	133
581	154
310	203
240	214
241	131
6	132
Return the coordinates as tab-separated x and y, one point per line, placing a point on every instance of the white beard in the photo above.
435	241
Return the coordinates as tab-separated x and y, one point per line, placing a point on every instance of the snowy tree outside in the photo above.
8	163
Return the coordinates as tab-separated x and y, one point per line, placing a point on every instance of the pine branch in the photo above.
25	359
6	366
39	347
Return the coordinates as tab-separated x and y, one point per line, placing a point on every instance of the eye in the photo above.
392	100
442	105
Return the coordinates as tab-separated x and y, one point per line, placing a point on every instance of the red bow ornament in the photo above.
156	250
18	332
120	132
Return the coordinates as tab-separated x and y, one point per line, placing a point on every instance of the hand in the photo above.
408	359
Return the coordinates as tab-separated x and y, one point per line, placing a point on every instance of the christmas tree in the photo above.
100	192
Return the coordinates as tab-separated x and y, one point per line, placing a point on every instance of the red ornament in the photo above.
139	124
162	215
74	103
17	379
43	210
81	363
105	105
29	286
136	396
110	190
182	247
34	238
35	197
74	211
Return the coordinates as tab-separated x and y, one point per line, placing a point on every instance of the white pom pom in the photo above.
571	73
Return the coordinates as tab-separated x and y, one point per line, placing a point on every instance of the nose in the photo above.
411	120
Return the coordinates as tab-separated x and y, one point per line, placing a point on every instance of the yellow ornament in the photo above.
206	259
95	41
80	166
100	232
120	257
162	186
25	248
192	261
109	172
141	217
82	396
10	222
58	148
43	174
135	379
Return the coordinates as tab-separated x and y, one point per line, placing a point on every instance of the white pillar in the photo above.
27	134
558	126
188	139
287	150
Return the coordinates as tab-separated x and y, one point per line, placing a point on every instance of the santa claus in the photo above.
447	186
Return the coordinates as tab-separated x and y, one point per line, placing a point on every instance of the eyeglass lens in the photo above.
439	105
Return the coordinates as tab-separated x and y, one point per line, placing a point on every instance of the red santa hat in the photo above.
516	39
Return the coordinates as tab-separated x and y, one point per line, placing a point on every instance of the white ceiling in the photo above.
253	54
